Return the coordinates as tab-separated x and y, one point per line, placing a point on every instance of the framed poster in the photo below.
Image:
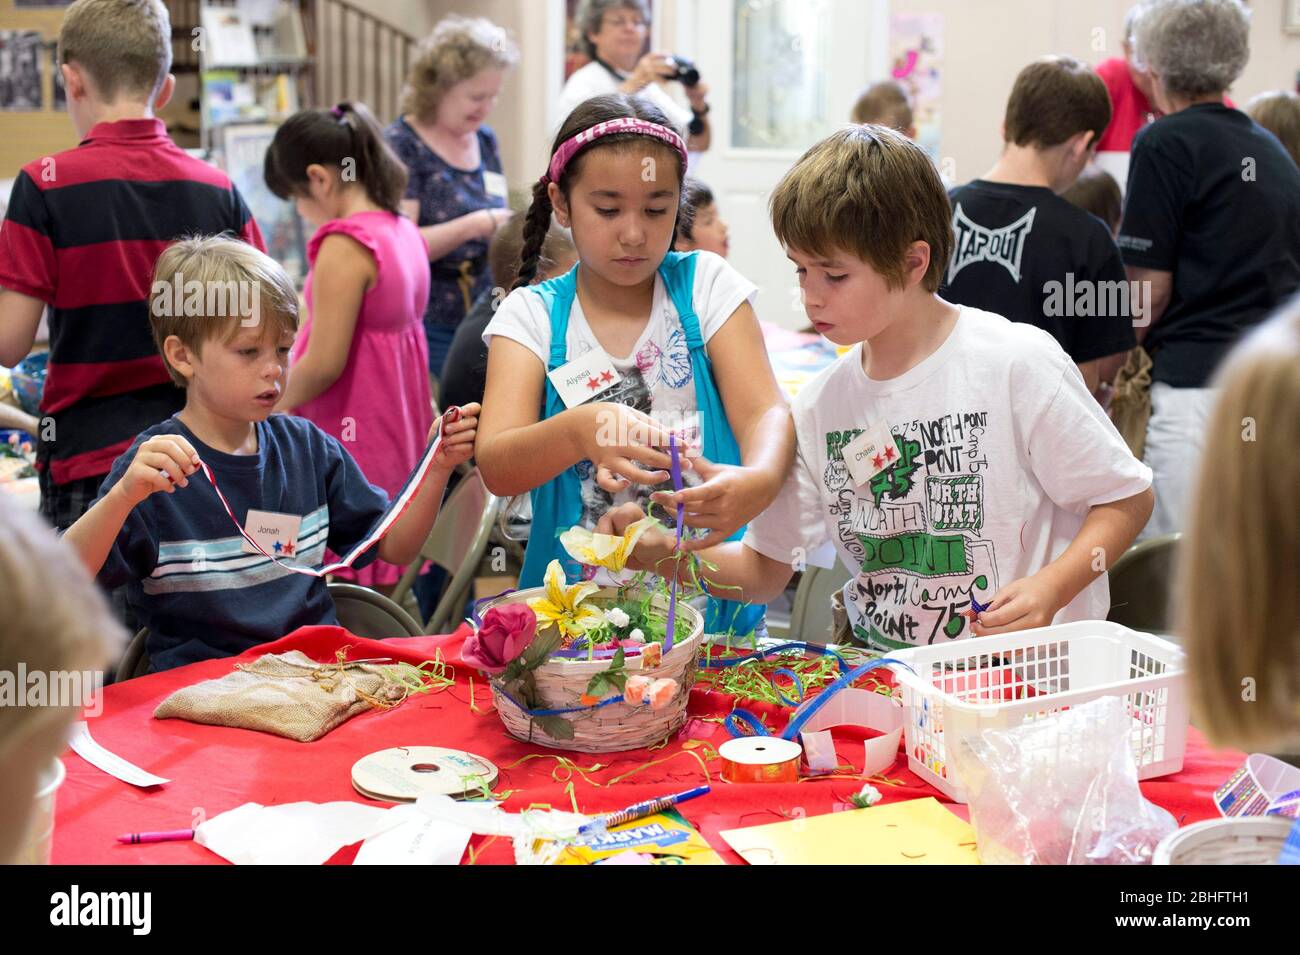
243	152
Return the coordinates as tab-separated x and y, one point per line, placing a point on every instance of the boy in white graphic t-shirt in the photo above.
968	480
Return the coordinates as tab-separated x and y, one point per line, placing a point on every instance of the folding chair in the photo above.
1141	582
810	615
368	613
457	543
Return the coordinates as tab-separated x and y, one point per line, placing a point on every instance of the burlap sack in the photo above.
287	694
1130	404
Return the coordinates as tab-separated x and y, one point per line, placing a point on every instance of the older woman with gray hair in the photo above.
456	193
614	36
1211	228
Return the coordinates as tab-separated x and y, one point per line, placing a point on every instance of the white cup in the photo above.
40	835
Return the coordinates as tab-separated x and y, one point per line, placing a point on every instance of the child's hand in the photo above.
459	426
621	442
652	547
1021	605
162	463
723	503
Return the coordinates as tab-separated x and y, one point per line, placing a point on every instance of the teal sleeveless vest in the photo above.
557	504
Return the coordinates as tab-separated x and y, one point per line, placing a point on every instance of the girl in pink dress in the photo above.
360	362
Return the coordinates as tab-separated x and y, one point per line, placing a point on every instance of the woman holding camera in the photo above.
614	35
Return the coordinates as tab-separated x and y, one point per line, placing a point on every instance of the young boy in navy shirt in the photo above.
159	526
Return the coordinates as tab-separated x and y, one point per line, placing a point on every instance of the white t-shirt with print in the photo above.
1001	452
656	377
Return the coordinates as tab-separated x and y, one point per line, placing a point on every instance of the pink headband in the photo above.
627	124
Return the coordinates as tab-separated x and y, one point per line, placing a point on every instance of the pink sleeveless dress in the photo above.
380	406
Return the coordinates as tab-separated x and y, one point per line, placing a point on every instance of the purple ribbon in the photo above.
681	508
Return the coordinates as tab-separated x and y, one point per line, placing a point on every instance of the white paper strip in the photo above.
85	746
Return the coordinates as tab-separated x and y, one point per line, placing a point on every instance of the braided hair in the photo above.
598	109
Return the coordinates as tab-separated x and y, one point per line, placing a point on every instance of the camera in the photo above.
686	73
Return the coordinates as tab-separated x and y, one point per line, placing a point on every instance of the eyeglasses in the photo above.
618	22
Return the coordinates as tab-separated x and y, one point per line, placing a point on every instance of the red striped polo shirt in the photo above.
83	231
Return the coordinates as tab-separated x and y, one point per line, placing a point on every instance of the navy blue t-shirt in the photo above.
1214	199
190	580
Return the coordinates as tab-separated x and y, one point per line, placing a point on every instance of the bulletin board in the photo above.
30	134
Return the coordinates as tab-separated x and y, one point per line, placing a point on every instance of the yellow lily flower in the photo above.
562	605
604	550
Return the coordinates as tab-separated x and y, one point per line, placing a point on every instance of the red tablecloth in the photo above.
213	769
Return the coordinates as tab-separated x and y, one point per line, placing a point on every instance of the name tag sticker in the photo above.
494	184
585	377
870	453
276	533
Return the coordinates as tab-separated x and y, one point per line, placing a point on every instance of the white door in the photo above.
782	74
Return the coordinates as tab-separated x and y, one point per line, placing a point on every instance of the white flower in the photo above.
617	616
636	636
867	796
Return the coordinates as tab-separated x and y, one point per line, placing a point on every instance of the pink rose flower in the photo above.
652	654
661	693
505	633
634	690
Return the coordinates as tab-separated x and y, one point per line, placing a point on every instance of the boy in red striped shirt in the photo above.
82	233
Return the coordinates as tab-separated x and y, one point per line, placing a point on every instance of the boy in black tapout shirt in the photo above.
1023	251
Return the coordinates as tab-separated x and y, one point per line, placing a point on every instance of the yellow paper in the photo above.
916	832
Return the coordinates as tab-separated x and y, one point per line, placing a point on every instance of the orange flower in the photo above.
586	700
635	689
661	693
651	655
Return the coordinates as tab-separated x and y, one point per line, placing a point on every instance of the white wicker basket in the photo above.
968	686
1254	840
561	683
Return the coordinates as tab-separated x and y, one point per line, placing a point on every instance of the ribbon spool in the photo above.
405	773
1262	786
760	759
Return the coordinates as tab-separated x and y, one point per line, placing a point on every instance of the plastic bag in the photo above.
1061	790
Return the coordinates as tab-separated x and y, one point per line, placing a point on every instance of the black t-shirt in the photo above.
464	374
1026	253
1213	198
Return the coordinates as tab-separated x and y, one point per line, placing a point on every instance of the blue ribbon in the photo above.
570	709
806	712
798	685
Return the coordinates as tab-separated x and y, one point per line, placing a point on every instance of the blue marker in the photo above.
639	811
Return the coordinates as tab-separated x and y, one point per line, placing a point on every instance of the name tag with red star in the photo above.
870	453
276	533
585	377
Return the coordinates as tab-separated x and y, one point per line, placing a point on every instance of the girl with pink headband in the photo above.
589	373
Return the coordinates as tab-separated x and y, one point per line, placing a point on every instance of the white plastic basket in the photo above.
969	686
1256	840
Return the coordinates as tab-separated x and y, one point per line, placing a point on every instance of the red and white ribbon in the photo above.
395	509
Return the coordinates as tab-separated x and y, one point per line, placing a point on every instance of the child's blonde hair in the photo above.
869	191
1239	606
124	46
210	286
56	619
